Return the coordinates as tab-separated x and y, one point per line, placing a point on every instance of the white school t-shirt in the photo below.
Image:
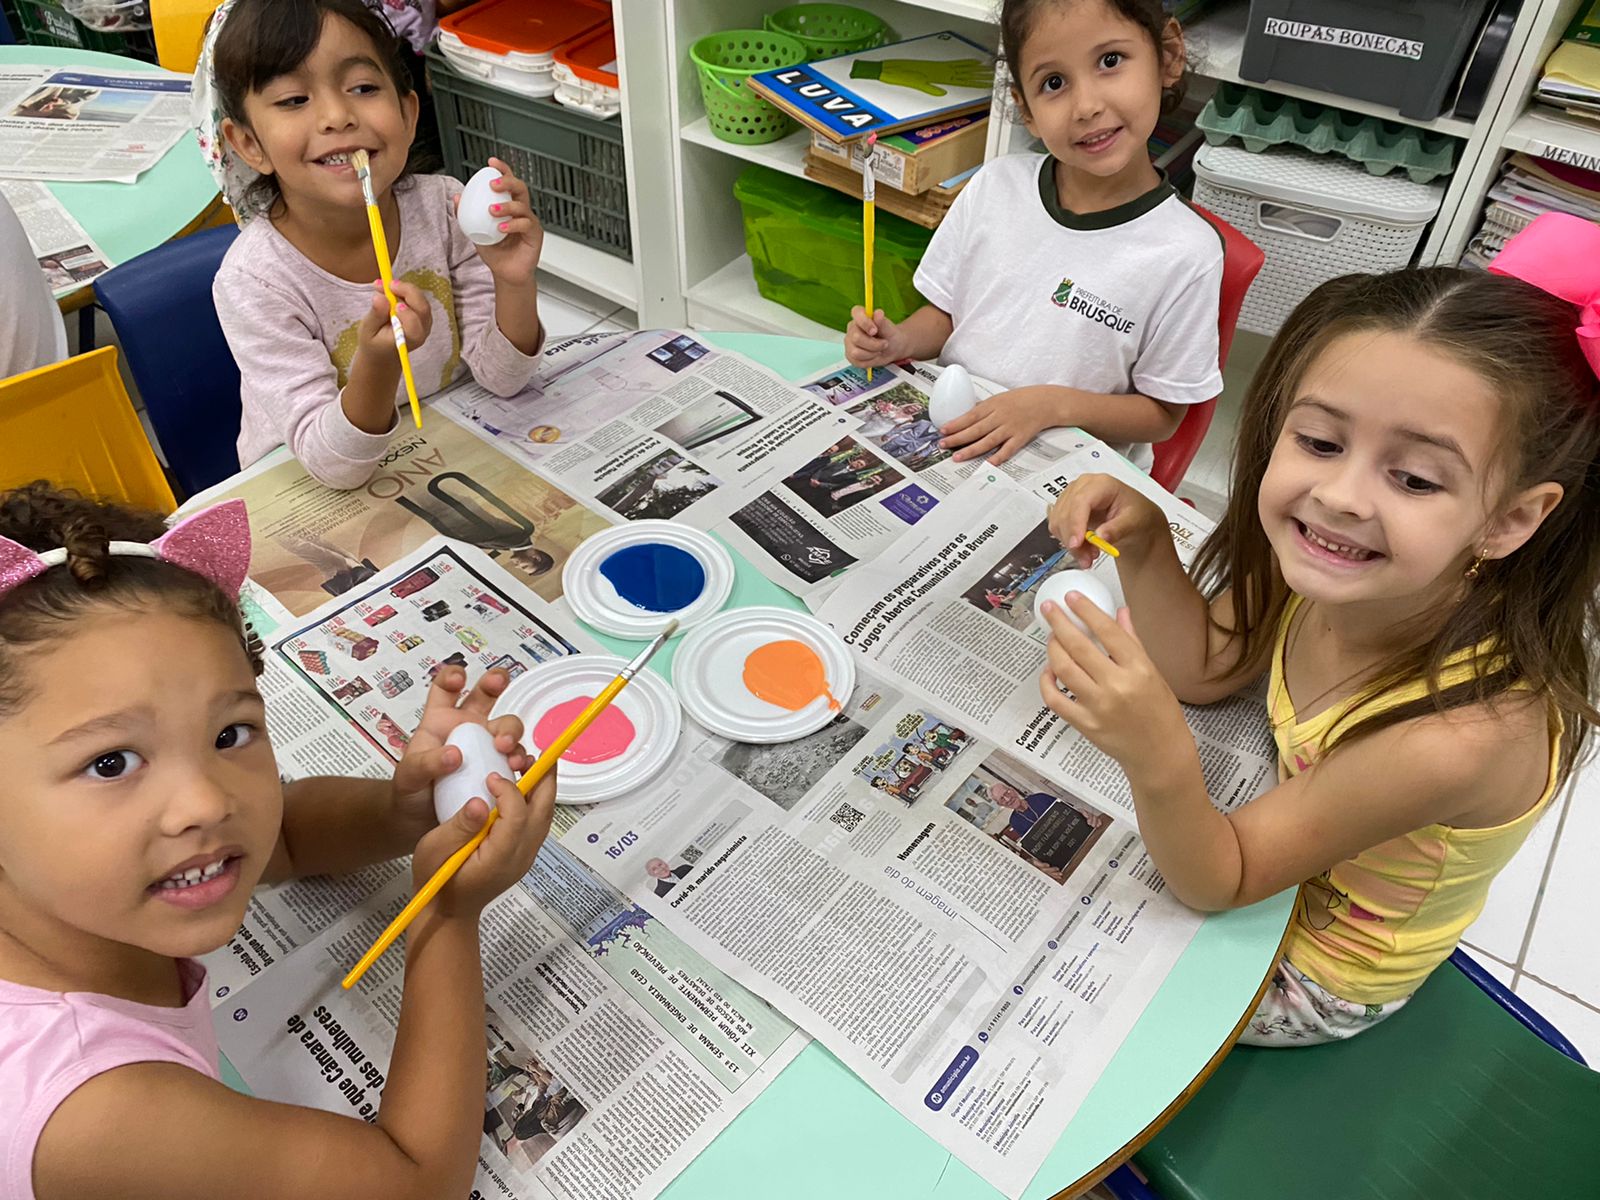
1112	302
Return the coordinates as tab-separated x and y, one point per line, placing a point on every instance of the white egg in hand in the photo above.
474	217
1055	589
479	759
953	395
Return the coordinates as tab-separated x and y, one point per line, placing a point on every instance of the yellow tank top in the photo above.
1371	929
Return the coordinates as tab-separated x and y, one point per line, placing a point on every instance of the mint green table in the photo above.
819	1132
126	219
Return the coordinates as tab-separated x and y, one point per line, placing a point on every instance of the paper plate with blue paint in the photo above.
627	580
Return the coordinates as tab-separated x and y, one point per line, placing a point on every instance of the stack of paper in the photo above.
1527	187
1571	78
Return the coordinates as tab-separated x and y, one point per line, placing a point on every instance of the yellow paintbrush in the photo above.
869	211
530	777
1095	540
380	246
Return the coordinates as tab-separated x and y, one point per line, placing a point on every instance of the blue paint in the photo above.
655	577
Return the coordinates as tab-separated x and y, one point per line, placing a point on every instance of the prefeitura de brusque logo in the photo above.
1087	305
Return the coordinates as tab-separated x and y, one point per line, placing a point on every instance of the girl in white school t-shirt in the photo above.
1079	279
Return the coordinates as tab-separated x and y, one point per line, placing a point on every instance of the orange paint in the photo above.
788	674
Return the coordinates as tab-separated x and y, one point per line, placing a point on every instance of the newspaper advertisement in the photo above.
804	480
68	256
311	543
970	936
949	609
74	124
615	1051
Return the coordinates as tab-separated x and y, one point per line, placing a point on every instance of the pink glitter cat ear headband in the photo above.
1560	254
213	543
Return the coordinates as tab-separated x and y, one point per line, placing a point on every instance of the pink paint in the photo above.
610	734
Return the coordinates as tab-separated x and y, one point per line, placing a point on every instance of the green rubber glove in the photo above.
923	76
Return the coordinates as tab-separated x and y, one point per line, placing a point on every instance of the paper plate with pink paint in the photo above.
628	743
763	674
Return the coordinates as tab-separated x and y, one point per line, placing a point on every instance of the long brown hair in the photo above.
1538	604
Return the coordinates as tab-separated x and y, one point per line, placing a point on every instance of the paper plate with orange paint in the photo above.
763	674
628	743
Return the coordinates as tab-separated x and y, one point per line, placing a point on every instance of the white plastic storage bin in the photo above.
586	74
512	44
1315	217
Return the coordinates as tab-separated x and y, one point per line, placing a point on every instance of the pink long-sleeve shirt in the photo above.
293	330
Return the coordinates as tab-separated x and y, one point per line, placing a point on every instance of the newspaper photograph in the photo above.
68	256
615	1051
969	935
86	125
803	480
311	543
949	609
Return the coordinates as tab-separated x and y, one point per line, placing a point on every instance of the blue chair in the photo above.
1445	1098
160	304
7	37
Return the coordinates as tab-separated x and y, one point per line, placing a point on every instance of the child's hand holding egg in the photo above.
495	213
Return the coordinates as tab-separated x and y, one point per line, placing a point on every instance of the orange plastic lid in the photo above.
592	56
524	26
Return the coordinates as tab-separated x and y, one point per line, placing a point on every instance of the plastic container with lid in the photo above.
512	44
586	74
1315	216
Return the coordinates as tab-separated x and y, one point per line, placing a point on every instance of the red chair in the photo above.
1241	259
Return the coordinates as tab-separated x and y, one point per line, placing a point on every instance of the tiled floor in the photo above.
1536	932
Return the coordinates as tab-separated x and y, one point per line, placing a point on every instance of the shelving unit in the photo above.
691	265
1519	123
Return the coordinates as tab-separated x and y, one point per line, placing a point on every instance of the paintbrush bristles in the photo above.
672	628
361	162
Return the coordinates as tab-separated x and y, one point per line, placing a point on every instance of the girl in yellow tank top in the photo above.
1410	555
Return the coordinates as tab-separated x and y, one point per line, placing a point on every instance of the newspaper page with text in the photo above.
616	1052
75	124
949	609
970	936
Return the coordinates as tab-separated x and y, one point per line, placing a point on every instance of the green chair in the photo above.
1454	1097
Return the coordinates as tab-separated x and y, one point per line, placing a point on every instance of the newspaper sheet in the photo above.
75	124
805	481
68	256
616	1052
949	609
970	936
311	543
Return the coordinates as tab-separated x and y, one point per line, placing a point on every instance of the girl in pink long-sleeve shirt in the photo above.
288	90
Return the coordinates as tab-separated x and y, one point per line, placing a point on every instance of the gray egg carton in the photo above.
1261	119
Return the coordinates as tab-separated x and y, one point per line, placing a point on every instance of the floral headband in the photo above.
214	544
1560	254
234	176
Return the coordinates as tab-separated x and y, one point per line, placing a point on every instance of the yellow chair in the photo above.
180	28
73	424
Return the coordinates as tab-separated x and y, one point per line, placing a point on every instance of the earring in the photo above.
1476	567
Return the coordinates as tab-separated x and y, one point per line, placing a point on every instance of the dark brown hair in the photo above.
1538	604
42	517
264	39
1017	18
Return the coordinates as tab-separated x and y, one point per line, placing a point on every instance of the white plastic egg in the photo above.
474	217
479	759
1055	589
953	395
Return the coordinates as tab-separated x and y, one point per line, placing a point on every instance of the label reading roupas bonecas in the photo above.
1349	39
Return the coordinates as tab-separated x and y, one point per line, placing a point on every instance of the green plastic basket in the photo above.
724	61
829	30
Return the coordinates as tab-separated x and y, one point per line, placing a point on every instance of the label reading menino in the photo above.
1352	39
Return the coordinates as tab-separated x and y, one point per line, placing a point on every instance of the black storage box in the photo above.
1403	53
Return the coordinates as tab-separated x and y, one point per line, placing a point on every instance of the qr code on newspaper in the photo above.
847	818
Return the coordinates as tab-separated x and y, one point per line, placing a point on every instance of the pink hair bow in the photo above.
213	543
1560	254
